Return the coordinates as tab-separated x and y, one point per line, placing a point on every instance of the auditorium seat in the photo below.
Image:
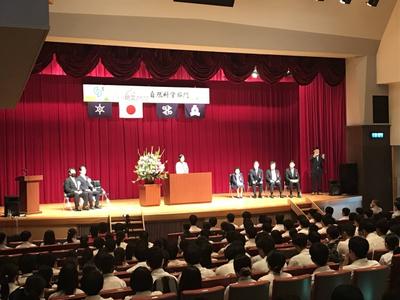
252	251
373	281
299	286
326	282
378	253
395	271
249	290
218	281
288	252
218	246
168	296
297	271
120	293
213	293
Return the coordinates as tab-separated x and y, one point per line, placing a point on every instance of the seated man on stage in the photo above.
273	178
86	186
181	167
72	189
292	177
236	182
256	179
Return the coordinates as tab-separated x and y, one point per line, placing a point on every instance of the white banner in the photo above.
145	94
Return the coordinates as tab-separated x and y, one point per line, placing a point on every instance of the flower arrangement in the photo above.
150	168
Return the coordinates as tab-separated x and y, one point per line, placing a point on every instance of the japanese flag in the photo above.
131	109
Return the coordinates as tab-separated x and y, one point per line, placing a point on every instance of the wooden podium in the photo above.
188	188
29	194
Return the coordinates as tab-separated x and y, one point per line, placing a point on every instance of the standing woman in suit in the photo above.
317	169
237	183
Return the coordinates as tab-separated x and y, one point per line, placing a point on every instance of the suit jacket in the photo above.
234	182
289	176
69	186
268	175
257	177
317	165
84	183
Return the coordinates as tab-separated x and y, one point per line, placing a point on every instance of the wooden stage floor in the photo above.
56	215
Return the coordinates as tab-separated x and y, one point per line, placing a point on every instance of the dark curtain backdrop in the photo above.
49	131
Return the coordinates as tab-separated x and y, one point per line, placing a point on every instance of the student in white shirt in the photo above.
92	284
234	249
106	263
3	241
345	214
304	224
68	282
242	266
8	279
317	220
265	245
230	218
142	284
391	243
155	261
251	233
319	255
276	262
347	231
193	224
358	250
303	258
288	224
25	237
141	254
367	230
279	219
181	167
190	279
192	257
326	220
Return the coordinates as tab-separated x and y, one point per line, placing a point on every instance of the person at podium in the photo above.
181	167
256	179
72	189
87	186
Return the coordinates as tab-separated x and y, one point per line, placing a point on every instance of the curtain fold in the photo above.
78	60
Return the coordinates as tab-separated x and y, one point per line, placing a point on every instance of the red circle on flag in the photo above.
131	109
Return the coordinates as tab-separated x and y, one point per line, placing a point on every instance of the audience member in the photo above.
120	257
358	250
213	223
27	263
8	279
251	233
333	234
68	281
279	219
265	246
303	258
234	249
391	244
155	261
242	266
320	255
3	241
230	218
277	237
347	231
106	264
49	238
141	254
142	284
190	279
367	230
345	214
192	256
32	290
92	284
25	237
72	236
193	224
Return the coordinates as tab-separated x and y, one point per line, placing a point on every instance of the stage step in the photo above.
304	208
133	225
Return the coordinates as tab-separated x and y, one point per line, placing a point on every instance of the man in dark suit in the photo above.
273	178
236	182
292	177
86	186
317	169
256	179
72	189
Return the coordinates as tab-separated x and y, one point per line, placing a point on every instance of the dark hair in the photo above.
25	235
3	237
304	223
119	255
317	217
333	232
347	292
397	204
110	244
206	226
314	237
300	240
190	279
360	210
68	279
213	221
348	228
392	241
155	258
313	227
193	220
288	224
279	218
98	243
141	280
359	246
70	234
266	227
327	220
46	272
192	254
329	210
266	244
94	230
234	249
246	215
34	287
251	232
345	211
86	256
230	217
27	263
92	282
84	241
105	262
382	226
8	274
242	265
142	251
293	233
276	261
49	238
367	226
277	236
119	237
319	254
180	156
352	216
103	228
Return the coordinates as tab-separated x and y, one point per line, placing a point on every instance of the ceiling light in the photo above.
345	1
373	3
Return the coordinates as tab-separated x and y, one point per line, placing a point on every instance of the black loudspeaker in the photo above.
229	3
334	188
11	206
349	178
380	108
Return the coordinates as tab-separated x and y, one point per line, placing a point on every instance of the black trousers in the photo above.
84	195
316	181
260	189
274	184
292	185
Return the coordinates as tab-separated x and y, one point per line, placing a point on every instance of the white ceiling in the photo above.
327	17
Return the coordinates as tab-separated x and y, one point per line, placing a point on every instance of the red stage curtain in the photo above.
49	131
322	124
78	60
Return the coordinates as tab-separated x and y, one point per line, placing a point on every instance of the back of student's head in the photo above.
314	237
190	279
359	246
277	236
329	210
242	265
155	258
103	228
68	279
213	221
319	254
382	226
92	282
141	251
347	292
293	233
327	220
119	256
391	241
333	232
251	232
192	254
119	237
234	249
313	227
25	235
304	223
352	216
3	237
86	256
288	224
49	237
317	217
71	234
98	243
48	259
279	218
276	261
360	210
141	280
46	272
8	274
246	215
84	241
347	228
27	263
230	217
193	220
265	244
367	226
300	240
110	244
34	287
345	211
105	262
